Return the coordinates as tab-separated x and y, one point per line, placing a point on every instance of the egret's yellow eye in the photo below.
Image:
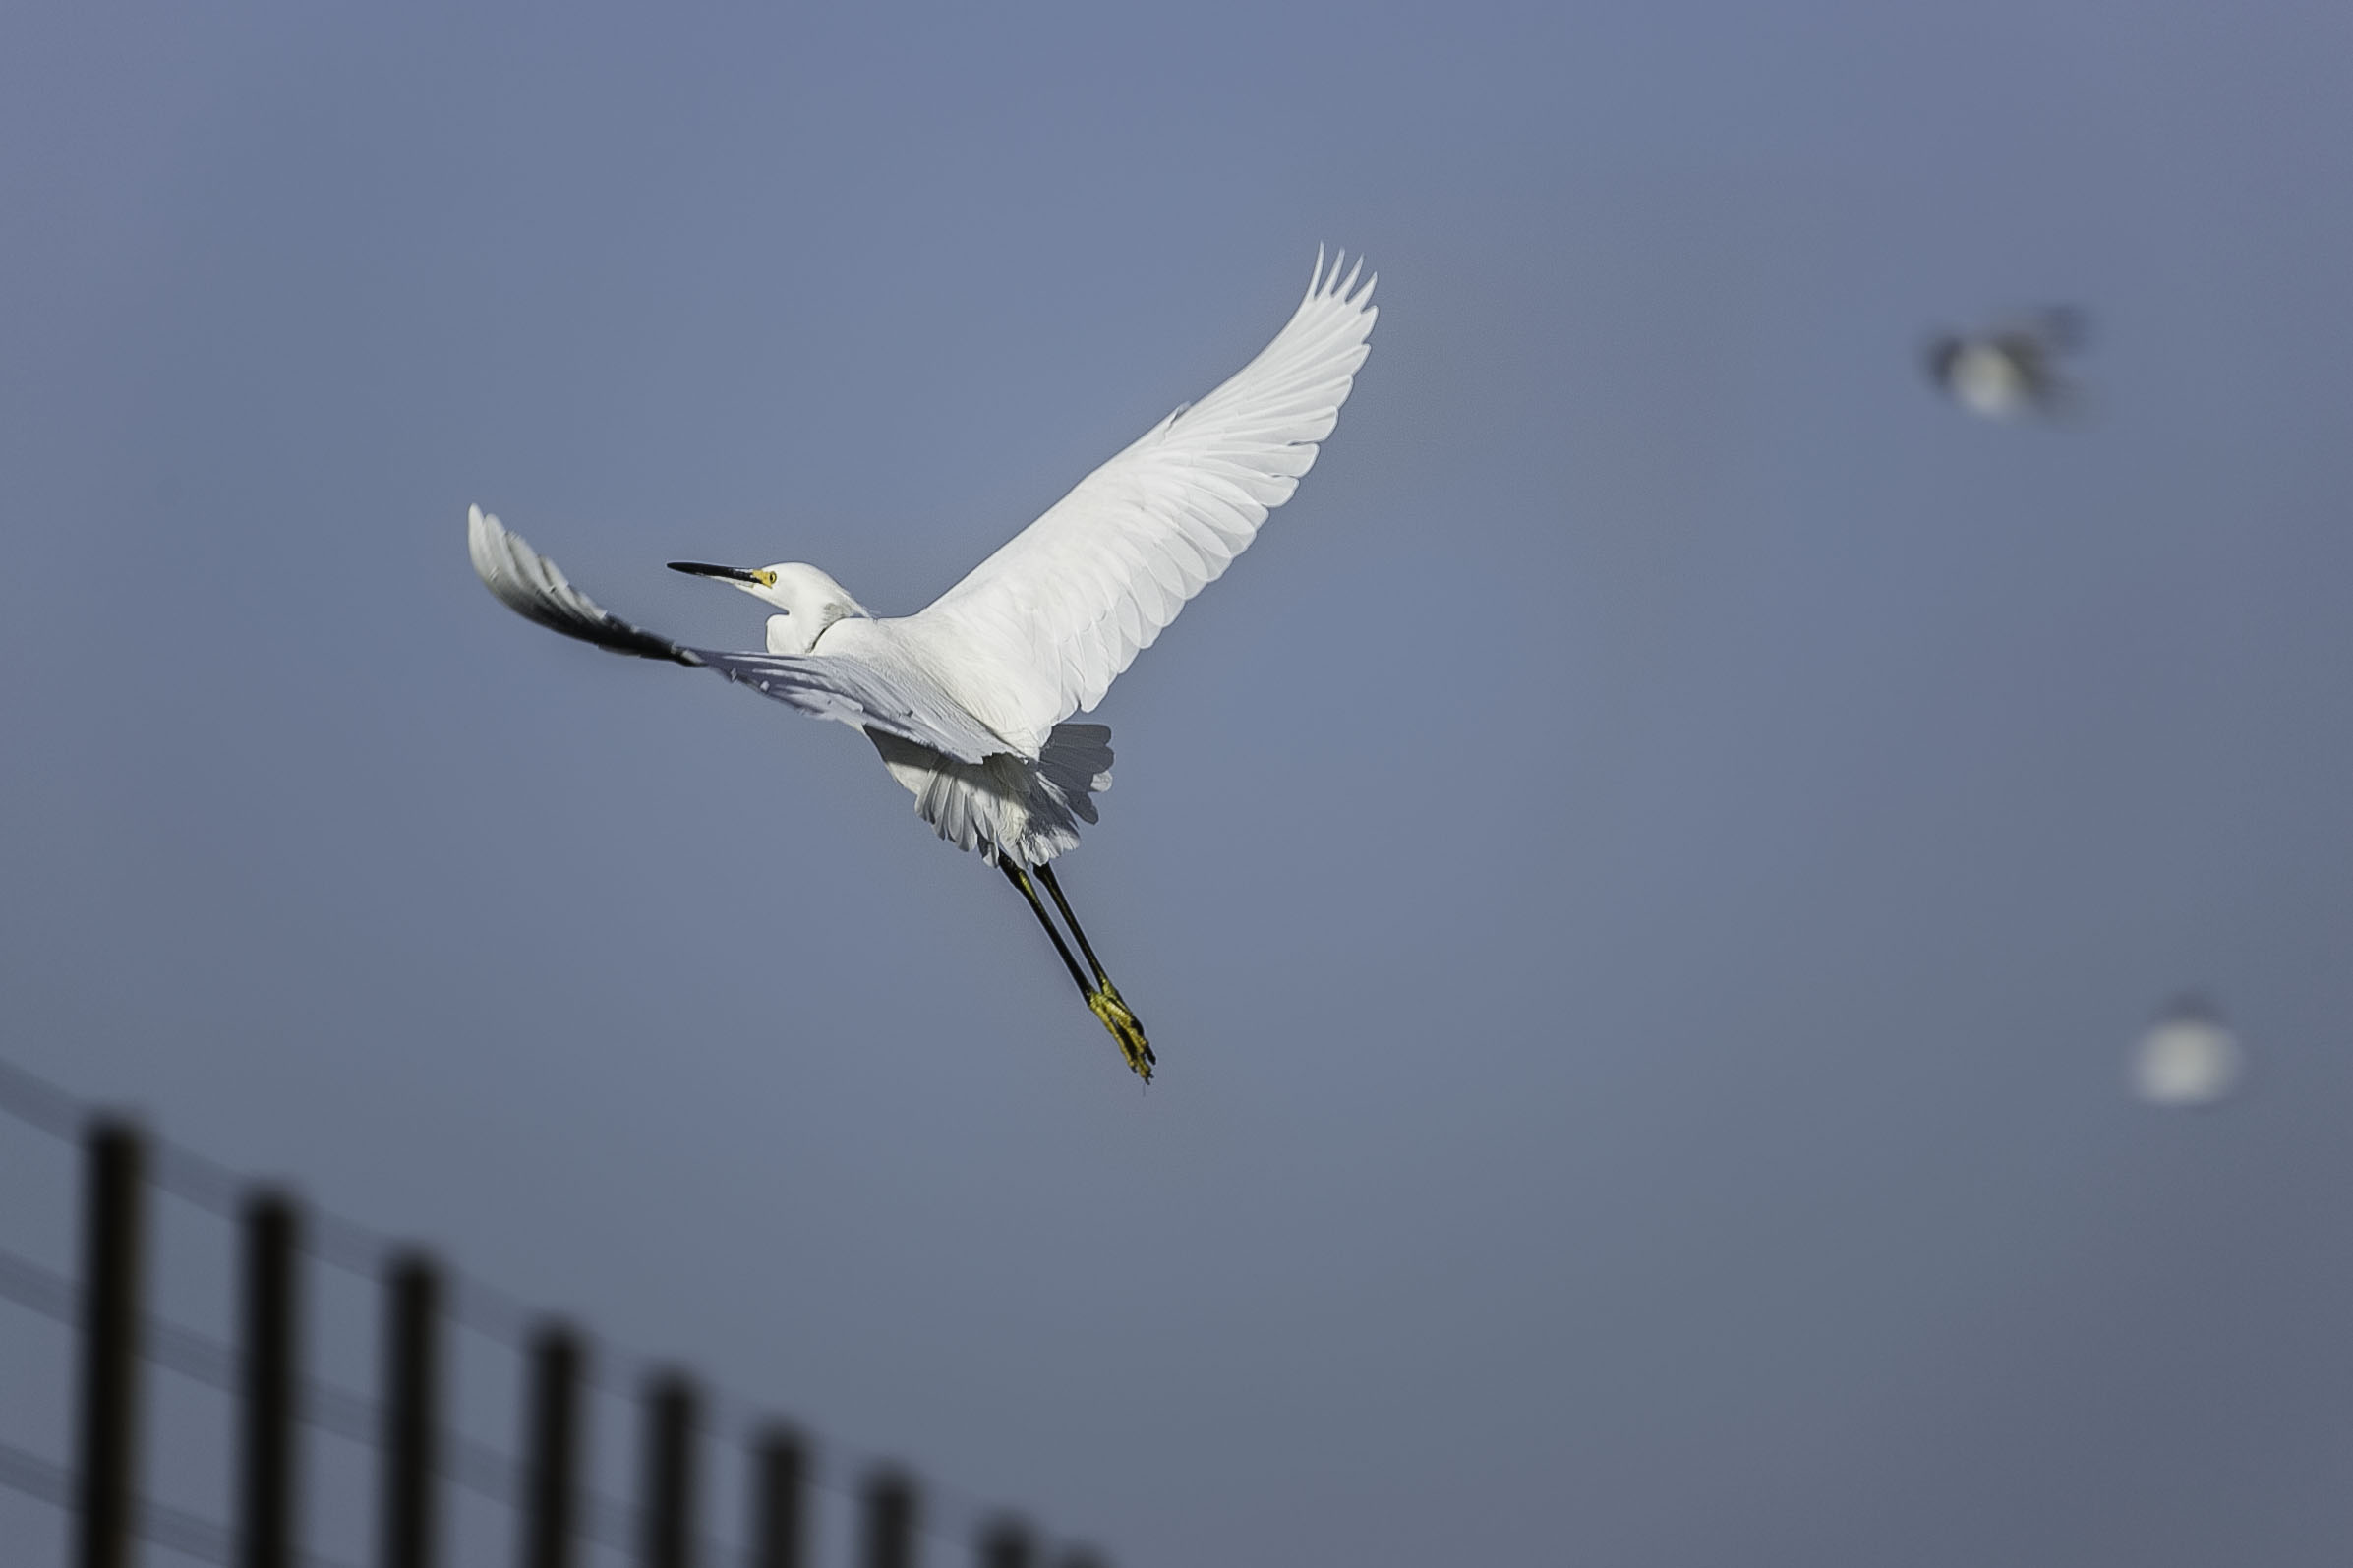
764	578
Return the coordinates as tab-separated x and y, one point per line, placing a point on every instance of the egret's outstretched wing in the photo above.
1066	604
851	690
860	694
536	589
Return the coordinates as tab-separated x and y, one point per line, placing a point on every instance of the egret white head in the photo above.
811	600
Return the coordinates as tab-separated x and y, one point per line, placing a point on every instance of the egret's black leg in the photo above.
1103	997
1045	874
1021	878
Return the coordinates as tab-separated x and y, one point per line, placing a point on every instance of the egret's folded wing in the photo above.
1065	606
857	693
535	588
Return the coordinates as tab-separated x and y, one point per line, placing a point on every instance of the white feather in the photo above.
1042	628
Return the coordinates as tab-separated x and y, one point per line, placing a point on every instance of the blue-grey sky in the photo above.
1642	881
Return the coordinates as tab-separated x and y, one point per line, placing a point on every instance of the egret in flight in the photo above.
966	700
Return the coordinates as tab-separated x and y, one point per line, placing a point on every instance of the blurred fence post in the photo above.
668	1507
779	1506
545	1490
552	1448
412	1410
1006	1543
109	1344
273	1356
890	1520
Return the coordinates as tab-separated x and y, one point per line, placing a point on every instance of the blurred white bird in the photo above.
2188	1057
2009	372
965	700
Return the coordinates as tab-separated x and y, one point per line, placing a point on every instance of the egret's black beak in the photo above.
732	574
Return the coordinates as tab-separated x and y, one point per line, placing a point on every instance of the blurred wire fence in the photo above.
270	1400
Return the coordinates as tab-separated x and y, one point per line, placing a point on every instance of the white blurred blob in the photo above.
2188	1058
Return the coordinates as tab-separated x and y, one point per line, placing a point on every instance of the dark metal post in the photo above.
890	1520
1006	1543
553	1447
668	1515
266	1527
412	1410
109	1345
779	1507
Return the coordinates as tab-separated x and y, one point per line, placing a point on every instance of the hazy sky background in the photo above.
1642	882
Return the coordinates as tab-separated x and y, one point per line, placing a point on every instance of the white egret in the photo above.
966	699
2011	372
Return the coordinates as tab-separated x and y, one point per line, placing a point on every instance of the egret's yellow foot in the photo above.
1105	1004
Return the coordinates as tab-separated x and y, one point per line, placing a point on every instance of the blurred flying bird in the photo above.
966	699
2188	1057
2009	373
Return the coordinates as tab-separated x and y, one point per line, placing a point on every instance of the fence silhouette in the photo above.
556	1513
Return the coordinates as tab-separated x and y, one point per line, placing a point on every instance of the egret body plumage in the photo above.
969	699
